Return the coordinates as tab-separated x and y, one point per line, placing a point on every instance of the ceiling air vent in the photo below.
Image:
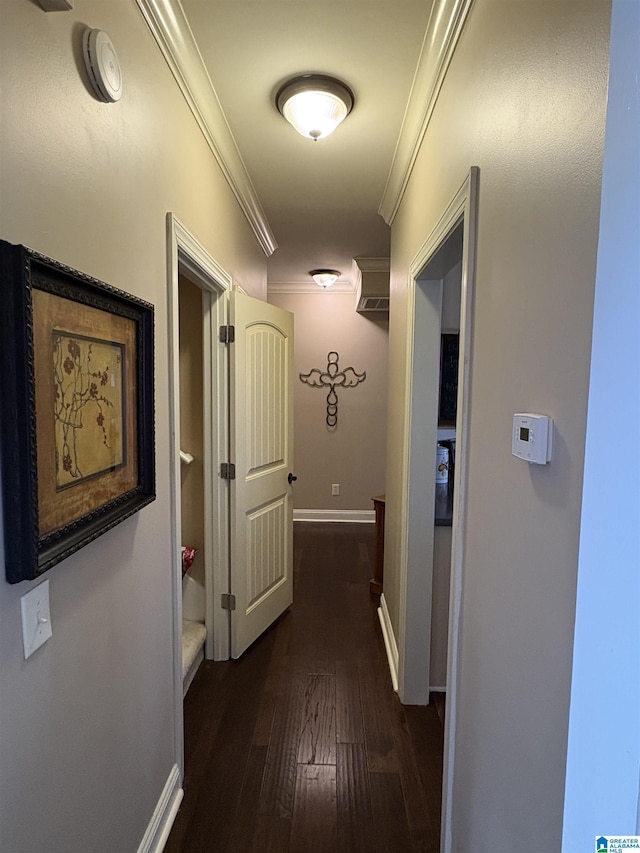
373	303
371	277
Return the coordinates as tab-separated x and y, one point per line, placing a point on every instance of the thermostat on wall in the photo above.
532	437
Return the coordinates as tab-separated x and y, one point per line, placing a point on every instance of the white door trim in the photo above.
469	204
414	658
185	254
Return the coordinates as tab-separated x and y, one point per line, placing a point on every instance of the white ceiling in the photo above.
321	198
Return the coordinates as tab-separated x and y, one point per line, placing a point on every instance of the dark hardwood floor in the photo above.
302	745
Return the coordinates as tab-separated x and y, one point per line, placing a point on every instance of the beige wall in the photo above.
86	724
353	453
524	100
191	422
451	299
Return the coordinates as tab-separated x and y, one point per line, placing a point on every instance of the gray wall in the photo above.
86	724
524	99
353	453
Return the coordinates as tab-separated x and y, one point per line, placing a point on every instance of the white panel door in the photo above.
262	449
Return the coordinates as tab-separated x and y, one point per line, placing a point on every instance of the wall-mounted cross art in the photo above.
333	378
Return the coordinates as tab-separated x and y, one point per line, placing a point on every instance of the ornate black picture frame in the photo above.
76	412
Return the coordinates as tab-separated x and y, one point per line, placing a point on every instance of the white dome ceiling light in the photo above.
325	278
314	104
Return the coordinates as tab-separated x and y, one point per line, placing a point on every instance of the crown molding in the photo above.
169	26
308	288
445	26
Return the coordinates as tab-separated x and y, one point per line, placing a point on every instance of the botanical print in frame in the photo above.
76	474
89	407
78	453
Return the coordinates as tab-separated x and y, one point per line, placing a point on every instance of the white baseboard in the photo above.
389	641
362	516
164	815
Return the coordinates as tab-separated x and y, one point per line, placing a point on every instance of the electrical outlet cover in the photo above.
36	620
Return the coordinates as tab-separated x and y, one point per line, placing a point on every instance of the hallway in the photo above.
302	744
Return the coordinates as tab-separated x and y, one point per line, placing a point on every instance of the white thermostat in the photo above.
532	437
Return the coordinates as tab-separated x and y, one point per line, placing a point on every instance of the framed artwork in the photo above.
77	412
449	348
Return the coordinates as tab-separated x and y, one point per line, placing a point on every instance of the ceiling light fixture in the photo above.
314	104
325	278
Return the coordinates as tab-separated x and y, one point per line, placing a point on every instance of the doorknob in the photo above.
291	478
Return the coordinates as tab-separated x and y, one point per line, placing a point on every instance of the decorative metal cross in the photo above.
333	378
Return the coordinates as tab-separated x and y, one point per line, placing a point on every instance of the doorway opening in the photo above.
191	309
243	419
198	399
447	256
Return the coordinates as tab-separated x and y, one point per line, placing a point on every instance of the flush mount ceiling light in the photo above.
314	104
325	278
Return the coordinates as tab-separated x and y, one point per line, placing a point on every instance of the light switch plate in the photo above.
36	619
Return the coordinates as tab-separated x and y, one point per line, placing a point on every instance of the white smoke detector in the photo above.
102	65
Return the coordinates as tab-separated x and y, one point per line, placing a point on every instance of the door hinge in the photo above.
227	334
227	601
228	471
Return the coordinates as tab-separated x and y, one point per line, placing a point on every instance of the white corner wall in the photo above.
87	728
603	761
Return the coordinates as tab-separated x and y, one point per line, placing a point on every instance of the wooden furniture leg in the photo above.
375	584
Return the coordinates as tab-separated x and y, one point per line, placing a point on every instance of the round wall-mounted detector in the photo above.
102	65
